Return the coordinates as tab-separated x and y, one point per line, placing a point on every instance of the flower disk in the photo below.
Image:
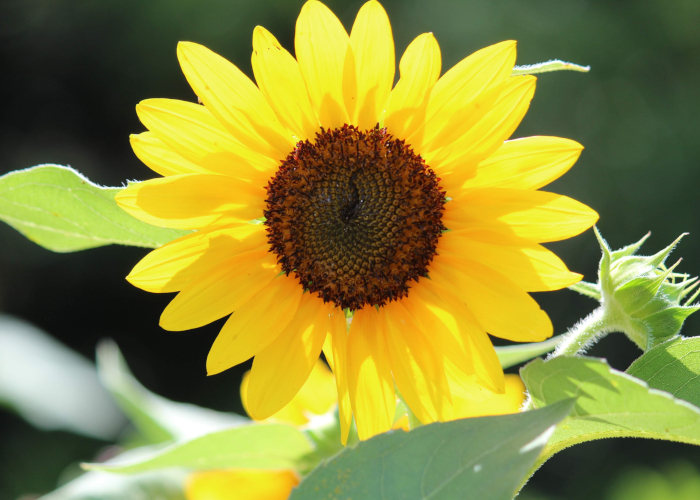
356	216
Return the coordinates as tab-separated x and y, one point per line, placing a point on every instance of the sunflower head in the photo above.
406	205
355	216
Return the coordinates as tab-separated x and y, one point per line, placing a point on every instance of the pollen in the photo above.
355	216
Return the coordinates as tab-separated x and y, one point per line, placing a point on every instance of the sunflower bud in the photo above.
640	295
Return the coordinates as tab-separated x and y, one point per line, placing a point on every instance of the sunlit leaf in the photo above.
59	209
255	446
51	386
158	485
481	458
514	354
158	419
673	367
546	67
610	404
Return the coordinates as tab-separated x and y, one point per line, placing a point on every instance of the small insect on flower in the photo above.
405	208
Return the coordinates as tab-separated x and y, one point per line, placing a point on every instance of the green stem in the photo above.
583	334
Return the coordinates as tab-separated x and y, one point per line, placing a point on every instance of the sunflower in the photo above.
316	397
322	197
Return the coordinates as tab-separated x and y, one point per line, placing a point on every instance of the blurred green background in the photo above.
73	71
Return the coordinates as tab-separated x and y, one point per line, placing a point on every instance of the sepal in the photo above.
641	296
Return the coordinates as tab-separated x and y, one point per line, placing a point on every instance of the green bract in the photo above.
639	296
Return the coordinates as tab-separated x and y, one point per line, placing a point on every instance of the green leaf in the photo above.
591	290
546	67
673	367
60	209
610	404
51	386
158	419
255	446
483	458
514	354
158	485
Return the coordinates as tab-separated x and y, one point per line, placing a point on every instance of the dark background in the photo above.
73	70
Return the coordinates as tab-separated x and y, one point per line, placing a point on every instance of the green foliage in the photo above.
51	386
673	367
676	481
59	209
255	446
486	457
157	419
609	404
546	67
514	354
157	485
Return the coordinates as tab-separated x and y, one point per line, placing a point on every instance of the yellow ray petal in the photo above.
502	308
280	81
417	366
368	82
218	288
456	162
456	331
497	404
255	325
160	158
234	100
240	484
282	368
463	96
538	216
335	349
321	45
420	68
172	266
370	383
528	163
193	132
463	385
193	201
292	414
529	265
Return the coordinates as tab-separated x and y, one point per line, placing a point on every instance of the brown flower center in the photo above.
355	216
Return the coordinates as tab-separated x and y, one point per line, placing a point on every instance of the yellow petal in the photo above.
282	368
528	163
459	159
420	68
321	45
318	395
239	484
370	383
193	132
172	266
219	288
417	366
455	332
368	84
193	201
234	100
502	308
159	157
255	325
463	96
291	414
529	265
538	216
335	350
463	385
280	81
497	404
